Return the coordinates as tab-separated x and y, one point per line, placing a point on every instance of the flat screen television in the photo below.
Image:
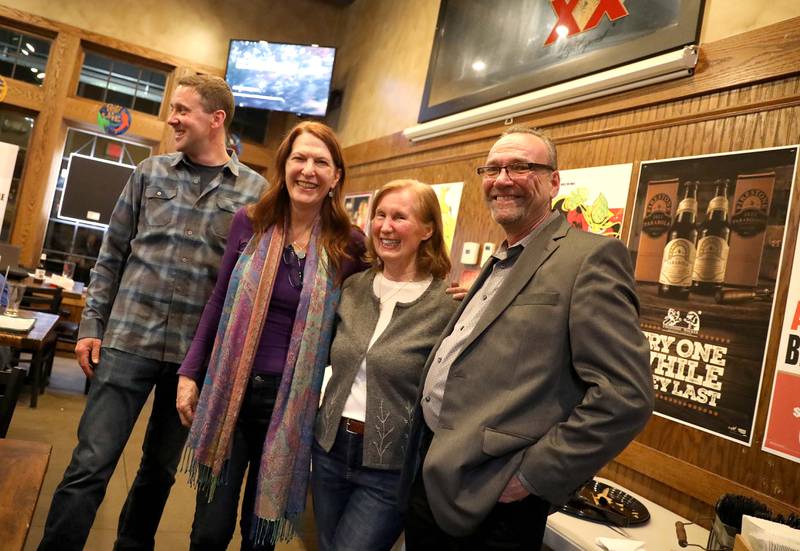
280	77
92	188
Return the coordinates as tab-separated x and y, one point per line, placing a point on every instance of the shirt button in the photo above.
461	328
196	180
439	360
184	260
484	297
189	232
427	398
158	193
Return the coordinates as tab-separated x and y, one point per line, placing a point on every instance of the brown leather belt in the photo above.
352	426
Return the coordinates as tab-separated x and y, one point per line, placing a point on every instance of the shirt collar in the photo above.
505	252
232	164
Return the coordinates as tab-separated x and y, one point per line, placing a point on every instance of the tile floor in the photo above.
55	421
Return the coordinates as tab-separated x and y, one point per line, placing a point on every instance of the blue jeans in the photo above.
121	385
215	522
355	507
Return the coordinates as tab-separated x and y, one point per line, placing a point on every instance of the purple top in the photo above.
274	344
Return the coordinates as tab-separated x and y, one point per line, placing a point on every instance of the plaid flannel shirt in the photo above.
160	256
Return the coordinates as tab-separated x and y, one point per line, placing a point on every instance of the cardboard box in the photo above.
749	212
660	205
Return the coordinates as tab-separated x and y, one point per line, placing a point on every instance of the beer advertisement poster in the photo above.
706	241
593	199
783	419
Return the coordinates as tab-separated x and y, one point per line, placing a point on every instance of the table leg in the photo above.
37	365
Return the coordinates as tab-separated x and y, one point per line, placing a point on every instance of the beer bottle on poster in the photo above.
712	246
675	279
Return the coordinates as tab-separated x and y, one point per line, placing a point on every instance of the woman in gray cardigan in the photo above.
388	320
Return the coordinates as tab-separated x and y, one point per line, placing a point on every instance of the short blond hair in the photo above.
214	92
432	257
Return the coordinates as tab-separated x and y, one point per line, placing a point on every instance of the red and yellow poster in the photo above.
782	436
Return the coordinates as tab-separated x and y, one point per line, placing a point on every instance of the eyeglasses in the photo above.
513	169
295	271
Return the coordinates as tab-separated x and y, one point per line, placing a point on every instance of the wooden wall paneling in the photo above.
37	186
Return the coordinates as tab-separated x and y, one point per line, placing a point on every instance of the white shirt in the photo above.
389	294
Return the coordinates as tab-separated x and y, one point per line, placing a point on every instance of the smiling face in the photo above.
519	203
194	127
397	231
310	172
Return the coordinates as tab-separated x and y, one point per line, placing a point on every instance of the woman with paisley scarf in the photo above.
262	345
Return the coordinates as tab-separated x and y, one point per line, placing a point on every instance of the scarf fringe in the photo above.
273	530
201	478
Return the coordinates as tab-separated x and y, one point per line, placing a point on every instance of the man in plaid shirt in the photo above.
154	273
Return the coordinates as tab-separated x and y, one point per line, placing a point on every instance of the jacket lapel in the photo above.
528	263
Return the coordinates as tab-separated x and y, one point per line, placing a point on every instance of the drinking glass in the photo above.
15	292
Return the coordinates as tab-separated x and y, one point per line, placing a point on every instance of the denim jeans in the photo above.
215	522
355	507
121	385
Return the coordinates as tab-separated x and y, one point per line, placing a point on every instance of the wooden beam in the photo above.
84	112
24	94
38	180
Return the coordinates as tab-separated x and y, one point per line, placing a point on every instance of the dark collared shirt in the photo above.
161	254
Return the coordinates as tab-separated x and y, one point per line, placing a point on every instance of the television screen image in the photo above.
92	188
280	77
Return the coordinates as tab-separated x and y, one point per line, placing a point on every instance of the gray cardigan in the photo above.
394	365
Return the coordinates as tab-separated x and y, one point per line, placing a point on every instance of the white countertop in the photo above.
568	533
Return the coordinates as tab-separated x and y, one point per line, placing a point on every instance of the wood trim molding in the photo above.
767	53
627	126
690	479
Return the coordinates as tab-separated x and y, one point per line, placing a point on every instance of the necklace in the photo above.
300	249
383	297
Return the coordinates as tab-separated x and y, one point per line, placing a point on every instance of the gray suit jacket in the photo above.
554	383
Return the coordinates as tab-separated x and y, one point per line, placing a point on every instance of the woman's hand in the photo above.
456	291
186	400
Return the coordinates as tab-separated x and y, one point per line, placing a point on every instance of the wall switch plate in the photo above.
486	252
469	253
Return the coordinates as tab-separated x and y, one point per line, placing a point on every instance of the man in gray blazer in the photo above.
541	377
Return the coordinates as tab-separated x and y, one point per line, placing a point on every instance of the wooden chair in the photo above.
40	299
11	382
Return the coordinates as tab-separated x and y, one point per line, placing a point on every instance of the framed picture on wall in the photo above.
483	53
357	206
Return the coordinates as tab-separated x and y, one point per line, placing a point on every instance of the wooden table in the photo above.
39	341
22	468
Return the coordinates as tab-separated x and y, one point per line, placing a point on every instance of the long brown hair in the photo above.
274	207
432	257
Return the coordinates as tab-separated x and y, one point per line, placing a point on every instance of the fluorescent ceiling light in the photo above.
669	66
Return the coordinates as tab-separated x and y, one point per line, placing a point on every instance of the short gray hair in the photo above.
551	147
